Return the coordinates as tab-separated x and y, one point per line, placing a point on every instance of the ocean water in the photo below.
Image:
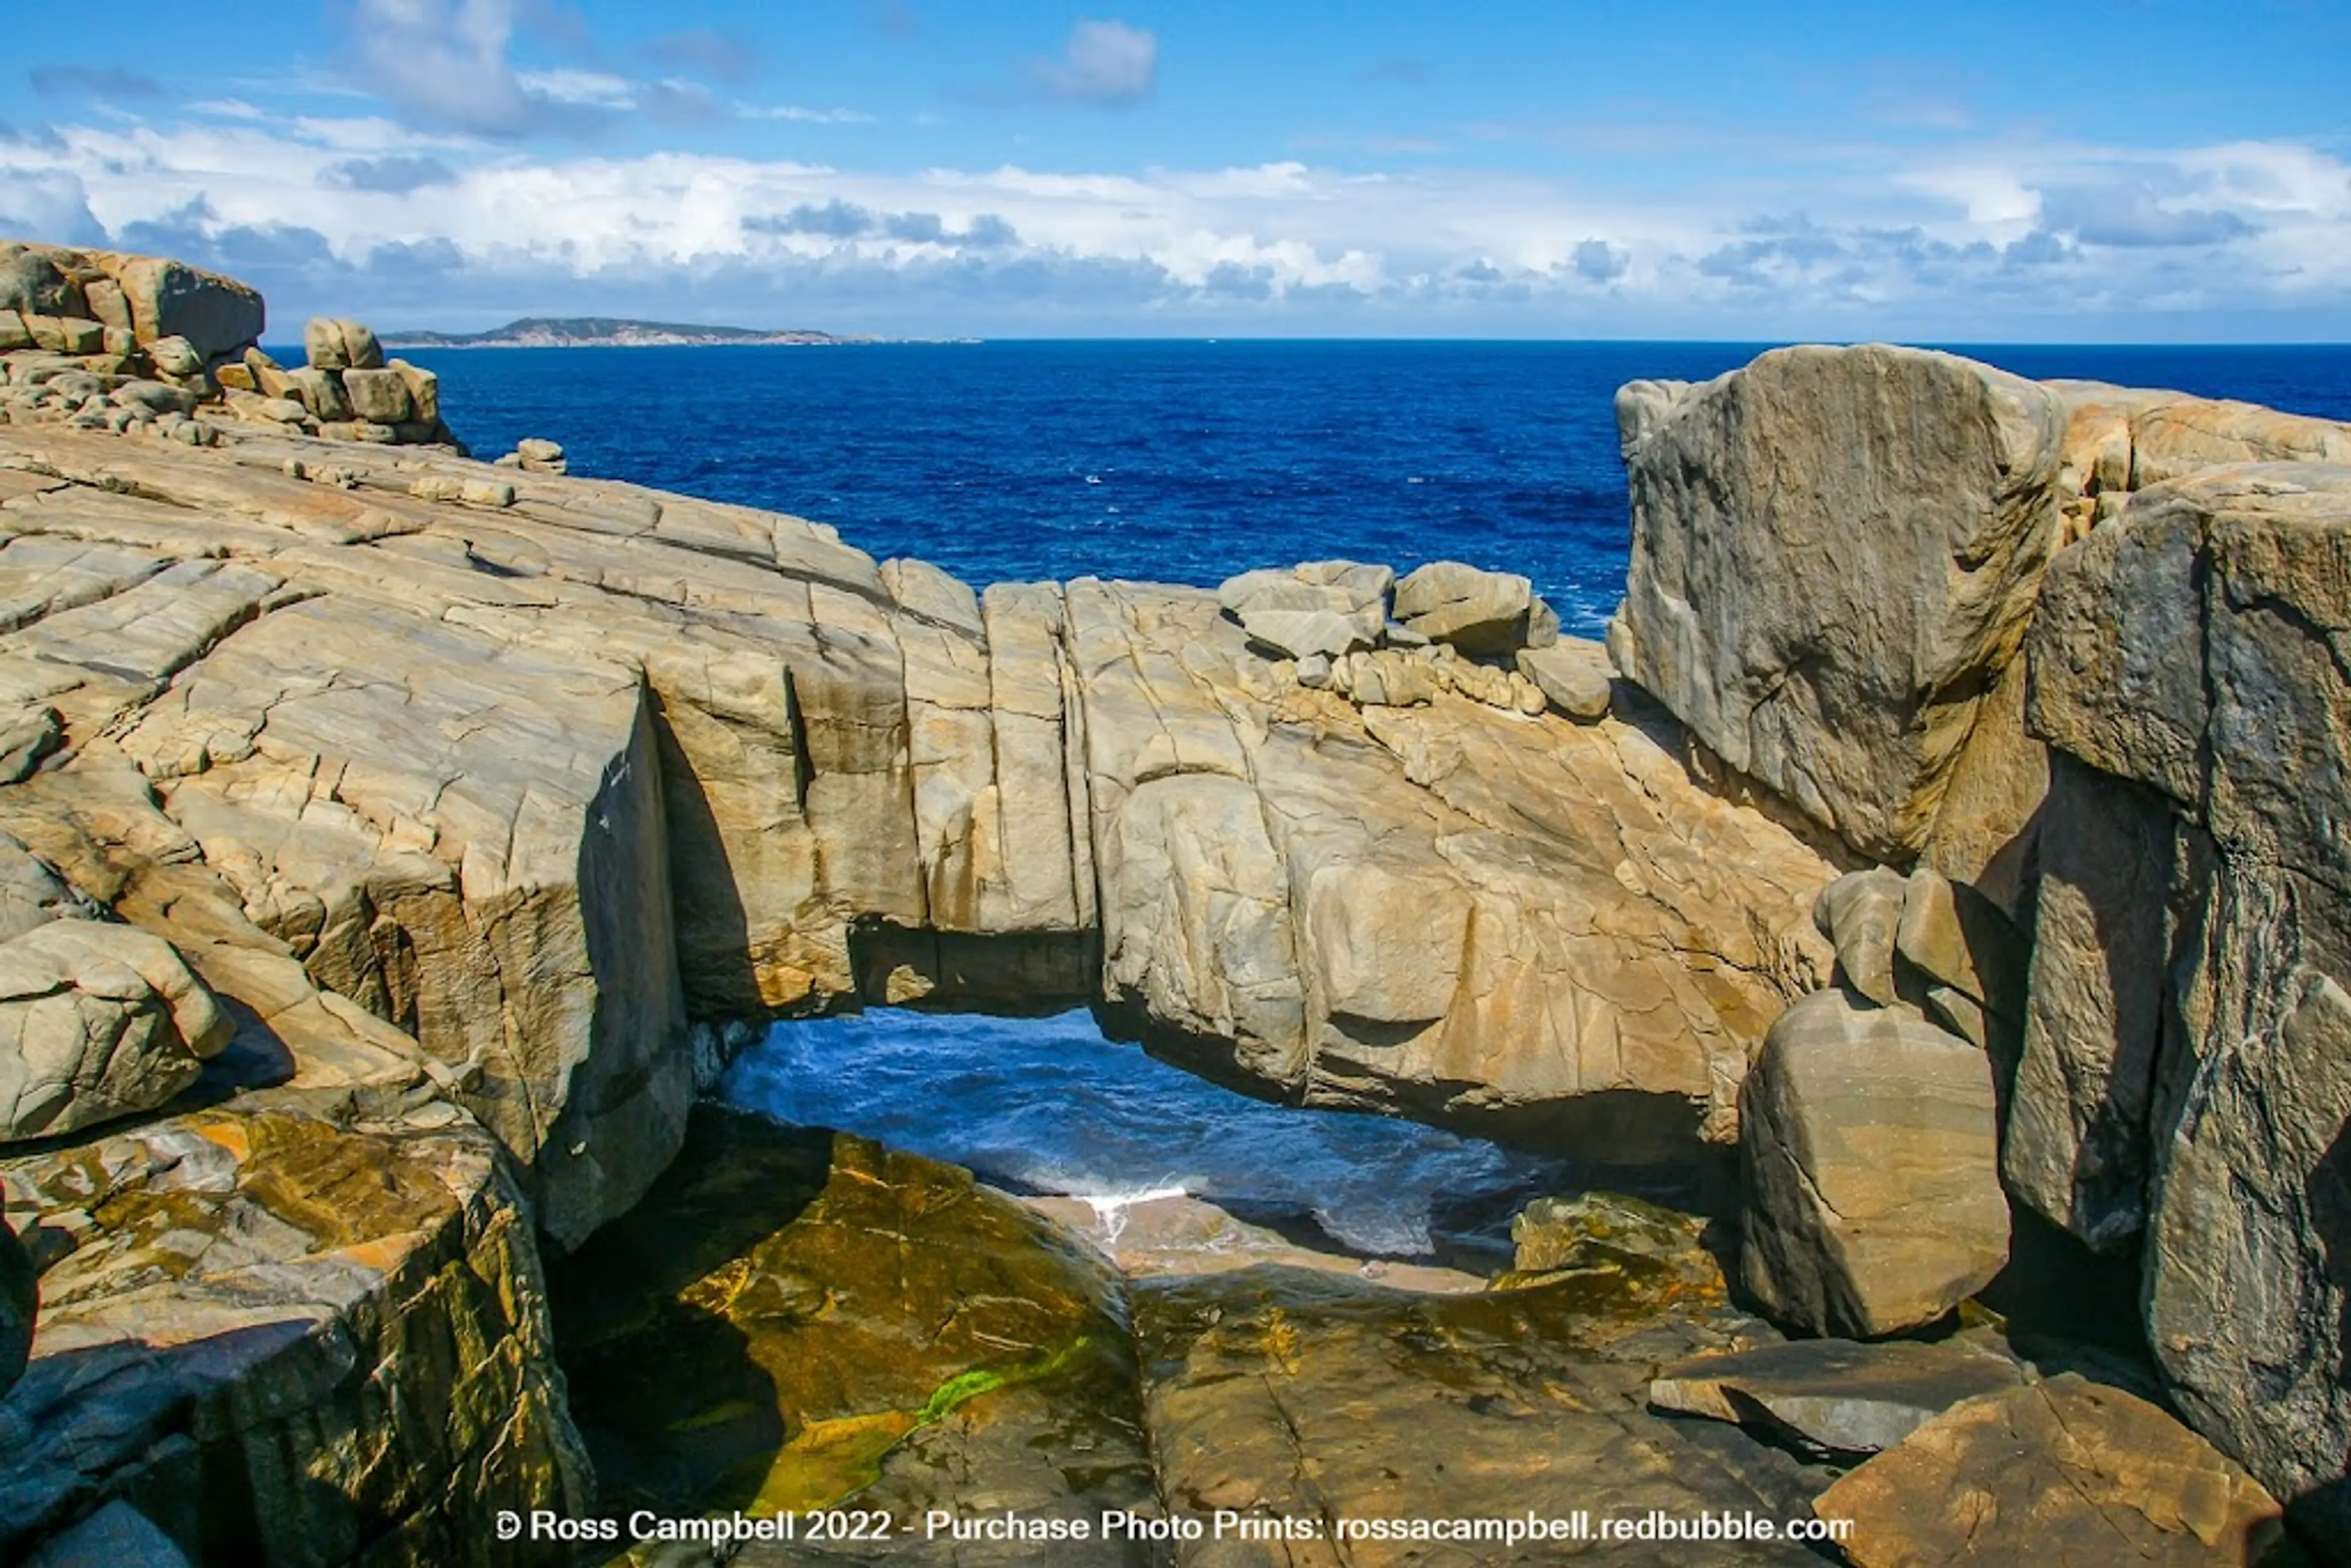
1187	462
1047	1105
1181	461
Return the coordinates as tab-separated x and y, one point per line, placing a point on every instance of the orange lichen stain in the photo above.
229	1135
383	1254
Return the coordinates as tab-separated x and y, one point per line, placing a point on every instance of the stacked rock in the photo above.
1867	1132
346	392
1381	642
108	341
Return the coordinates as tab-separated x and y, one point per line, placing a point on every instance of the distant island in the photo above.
608	332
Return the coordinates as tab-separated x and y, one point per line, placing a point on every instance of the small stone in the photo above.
320	392
1314	670
532	449
486	493
1478	611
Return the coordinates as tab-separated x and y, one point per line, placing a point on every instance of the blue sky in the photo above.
2062	170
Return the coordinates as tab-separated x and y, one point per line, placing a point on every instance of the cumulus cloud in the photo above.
361	214
444	62
1102	63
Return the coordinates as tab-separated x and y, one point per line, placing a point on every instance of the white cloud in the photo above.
352	212
1103	62
794	111
443	60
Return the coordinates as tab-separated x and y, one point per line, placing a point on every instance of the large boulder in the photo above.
2061	1471
1834	554
1872	1196
97	1020
1478	611
217	316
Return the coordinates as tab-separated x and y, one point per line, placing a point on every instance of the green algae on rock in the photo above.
794	1318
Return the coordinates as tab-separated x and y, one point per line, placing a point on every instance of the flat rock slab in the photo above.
1836	1393
2066	1471
1286	1397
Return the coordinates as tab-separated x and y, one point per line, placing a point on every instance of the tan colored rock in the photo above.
319	391
424	389
1859	914
378	395
2061	1471
1987	832
333	343
1871	1199
217	314
1820	596
1572	674
1478	611
1955	936
65	334
1407	908
14	334
95	1021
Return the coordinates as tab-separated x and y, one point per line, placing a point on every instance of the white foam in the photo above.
1110	1208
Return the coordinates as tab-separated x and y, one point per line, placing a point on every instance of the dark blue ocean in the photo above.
1181	461
1187	462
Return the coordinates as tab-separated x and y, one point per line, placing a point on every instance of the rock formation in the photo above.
2076	648
387	839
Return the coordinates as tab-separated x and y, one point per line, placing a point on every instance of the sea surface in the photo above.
1180	462
1047	1105
1187	462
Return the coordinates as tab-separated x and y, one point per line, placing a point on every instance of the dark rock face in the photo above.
19	1303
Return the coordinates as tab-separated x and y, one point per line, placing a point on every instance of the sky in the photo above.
2004	170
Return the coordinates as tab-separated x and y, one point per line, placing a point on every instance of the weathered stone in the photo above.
1834	554
106	304
1599	1236
115	1536
284	1340
19	1303
378	395
534	449
1859	914
1836	1393
32	284
332	344
1301	633
1872	1198
320	392
1957	937
423	391
65	334
1280	1394
1572	674
215	315
95	1021
1987	830
1478	611
2076	1146
2061	1471
14	334
32	894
